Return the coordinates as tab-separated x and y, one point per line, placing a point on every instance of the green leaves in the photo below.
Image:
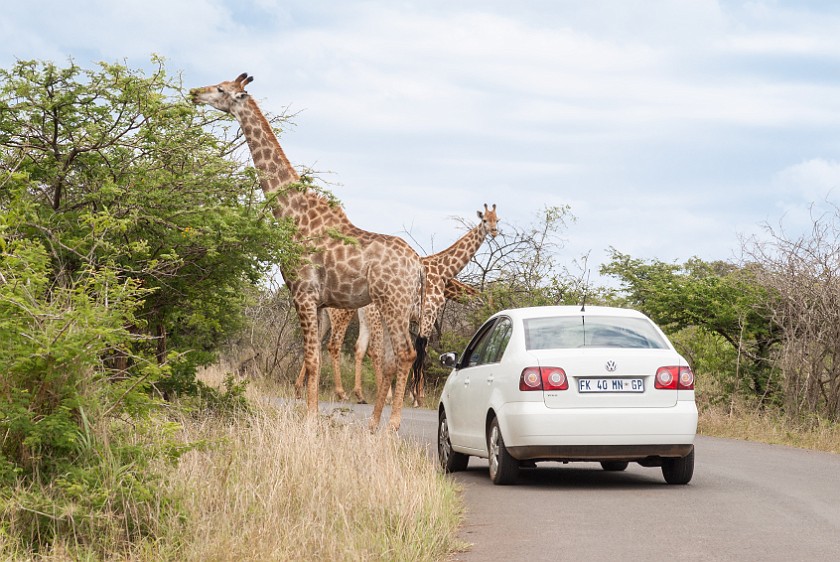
719	298
128	239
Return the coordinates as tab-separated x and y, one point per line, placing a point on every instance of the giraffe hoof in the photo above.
361	401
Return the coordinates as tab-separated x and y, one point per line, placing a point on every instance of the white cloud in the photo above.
662	122
811	181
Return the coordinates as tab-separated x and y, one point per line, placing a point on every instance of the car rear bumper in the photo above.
573	453
532	431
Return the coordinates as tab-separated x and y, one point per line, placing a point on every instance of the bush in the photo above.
127	241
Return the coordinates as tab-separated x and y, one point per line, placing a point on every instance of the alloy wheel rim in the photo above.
494	451
444	447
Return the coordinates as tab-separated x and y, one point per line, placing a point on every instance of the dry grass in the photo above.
277	485
274	484
741	421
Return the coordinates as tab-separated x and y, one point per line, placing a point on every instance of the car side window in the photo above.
489	345
497	343
474	353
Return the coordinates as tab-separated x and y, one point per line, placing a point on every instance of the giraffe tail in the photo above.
417	367
420	342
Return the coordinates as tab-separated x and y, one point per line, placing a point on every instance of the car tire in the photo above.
503	468
450	460
614	466
680	470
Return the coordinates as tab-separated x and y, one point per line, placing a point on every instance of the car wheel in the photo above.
450	461
614	466
678	471
503	468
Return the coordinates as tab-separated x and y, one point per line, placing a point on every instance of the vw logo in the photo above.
610	366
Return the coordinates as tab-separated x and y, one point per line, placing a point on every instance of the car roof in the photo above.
568	310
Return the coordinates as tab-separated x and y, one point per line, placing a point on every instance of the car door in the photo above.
459	386
485	367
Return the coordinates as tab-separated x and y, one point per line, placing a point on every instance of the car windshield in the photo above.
564	332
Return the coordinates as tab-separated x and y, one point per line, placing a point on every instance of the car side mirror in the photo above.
448	359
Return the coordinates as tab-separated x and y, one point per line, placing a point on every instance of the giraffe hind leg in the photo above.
367	316
339	320
385	375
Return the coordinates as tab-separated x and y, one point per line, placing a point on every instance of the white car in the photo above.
568	383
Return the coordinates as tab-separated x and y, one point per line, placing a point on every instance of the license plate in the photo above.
611	385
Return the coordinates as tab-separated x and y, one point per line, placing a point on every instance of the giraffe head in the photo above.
488	220
225	95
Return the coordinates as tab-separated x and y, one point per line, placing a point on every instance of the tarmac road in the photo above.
747	501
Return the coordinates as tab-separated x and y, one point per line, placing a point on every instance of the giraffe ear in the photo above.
480	214
240	95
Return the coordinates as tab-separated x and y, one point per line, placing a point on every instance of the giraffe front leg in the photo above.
335	355
405	358
379	405
313	368
387	370
308	315
300	380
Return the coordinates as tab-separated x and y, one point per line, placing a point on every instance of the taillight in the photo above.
674	378
543	378
530	379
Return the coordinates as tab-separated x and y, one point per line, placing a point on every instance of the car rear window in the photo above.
564	332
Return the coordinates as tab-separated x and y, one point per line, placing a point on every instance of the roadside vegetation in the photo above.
133	241
136	253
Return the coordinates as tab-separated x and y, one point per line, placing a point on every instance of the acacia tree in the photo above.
127	237
804	271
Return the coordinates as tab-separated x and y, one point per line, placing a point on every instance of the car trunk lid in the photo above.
610	378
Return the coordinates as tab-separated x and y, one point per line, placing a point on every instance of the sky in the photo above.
671	128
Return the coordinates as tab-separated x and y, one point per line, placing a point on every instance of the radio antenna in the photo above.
585	289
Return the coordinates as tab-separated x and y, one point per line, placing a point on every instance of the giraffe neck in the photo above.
275	169
310	212
456	257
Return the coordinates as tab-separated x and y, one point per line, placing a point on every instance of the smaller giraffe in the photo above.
441	269
453	290
369	341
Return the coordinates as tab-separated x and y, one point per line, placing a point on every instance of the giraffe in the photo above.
344	266
368	342
441	269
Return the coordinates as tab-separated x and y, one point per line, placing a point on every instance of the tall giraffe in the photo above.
441	269
344	266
